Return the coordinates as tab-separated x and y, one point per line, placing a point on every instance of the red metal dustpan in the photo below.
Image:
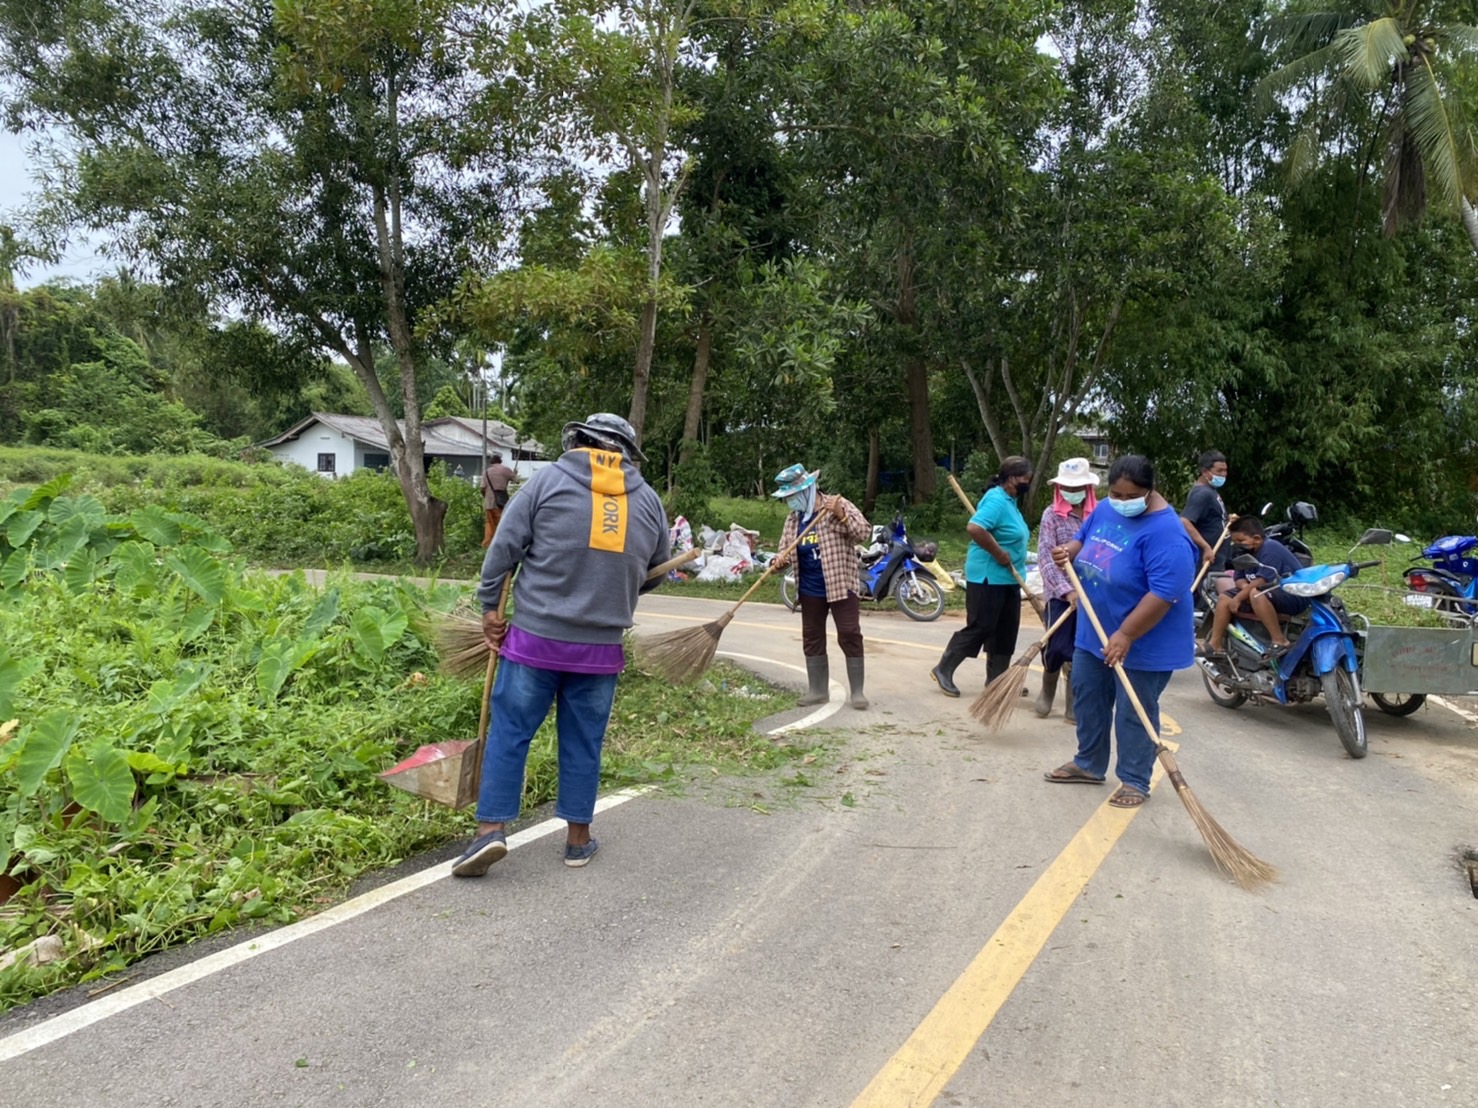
449	772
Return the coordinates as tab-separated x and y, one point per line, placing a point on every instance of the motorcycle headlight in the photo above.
1316	588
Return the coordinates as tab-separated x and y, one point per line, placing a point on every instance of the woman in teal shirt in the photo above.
998	538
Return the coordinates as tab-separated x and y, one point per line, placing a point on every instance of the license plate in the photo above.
1414	600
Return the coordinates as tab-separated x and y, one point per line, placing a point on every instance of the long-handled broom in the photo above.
1031	598
459	640
994	706
1244	867
684	654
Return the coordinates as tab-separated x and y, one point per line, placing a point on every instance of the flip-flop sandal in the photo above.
1126	797
1071	774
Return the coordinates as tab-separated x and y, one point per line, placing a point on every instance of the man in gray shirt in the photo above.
582	534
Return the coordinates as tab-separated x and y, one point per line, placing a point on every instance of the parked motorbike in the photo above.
1325	657
1290	531
1449	583
891	566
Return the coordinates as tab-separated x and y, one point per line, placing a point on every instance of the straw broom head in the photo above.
994	706
1239	863
459	644
683	655
1244	867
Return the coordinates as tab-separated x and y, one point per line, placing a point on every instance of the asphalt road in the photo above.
921	920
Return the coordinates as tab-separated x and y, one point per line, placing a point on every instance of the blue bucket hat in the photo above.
794	479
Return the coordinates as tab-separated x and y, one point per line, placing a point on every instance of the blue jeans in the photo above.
1100	701
522	696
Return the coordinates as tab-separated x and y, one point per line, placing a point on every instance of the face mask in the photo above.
802	501
1218	482
1076	497
1131	508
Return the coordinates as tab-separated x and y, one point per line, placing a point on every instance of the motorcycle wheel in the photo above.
1398	704
918	597
1344	709
788	594
1227	698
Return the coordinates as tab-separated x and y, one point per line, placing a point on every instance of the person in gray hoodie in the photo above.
583	534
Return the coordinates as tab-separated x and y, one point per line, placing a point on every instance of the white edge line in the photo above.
65	1024
825	712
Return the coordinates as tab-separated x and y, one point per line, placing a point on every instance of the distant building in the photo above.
336	445
1101	451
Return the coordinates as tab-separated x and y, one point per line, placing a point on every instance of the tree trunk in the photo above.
916	387
1470	222
407	452
874	468
694	415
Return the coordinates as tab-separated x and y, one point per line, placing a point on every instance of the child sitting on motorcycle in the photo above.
1247	600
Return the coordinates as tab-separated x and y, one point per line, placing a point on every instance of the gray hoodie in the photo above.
585	530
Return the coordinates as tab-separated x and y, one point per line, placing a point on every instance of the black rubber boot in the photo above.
995	665
854	678
818	674
944	673
1043	706
1067	694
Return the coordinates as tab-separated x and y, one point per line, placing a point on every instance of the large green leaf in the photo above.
15	569
101	780
280	657
87	508
133	566
23	525
13	673
156	525
45	744
376	630
202	574
165	694
81	572
196	622
323	614
42	495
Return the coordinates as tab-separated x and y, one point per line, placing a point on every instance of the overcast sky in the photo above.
15	183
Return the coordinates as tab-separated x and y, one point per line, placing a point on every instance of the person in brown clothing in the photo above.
827	577
495	482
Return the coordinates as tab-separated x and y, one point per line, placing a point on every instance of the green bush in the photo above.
273	514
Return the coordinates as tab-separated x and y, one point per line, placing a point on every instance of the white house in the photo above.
336	445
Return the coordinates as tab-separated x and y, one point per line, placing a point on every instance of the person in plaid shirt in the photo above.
1073	500
827	577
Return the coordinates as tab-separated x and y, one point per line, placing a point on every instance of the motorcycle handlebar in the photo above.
1367	565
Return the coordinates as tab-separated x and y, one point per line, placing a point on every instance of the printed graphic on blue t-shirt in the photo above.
809	578
1123	559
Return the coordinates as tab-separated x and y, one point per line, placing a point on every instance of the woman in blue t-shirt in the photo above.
998	535
1136	565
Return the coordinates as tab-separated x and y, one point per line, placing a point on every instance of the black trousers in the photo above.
844	613
992	618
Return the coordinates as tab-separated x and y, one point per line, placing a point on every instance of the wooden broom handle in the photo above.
787	552
1087	604
673	563
1225	531
1031	598
487	681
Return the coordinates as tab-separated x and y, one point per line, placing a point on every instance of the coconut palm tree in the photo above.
1404	61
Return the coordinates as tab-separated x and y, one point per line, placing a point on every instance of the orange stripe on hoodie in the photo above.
608	509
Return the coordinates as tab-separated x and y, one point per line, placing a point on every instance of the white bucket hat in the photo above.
1075	473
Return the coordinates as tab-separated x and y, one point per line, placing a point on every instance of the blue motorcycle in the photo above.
1324	659
890	566
1448	585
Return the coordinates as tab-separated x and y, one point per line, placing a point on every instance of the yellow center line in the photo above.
923	1065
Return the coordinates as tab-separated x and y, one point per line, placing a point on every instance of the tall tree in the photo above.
311	163
1385	73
